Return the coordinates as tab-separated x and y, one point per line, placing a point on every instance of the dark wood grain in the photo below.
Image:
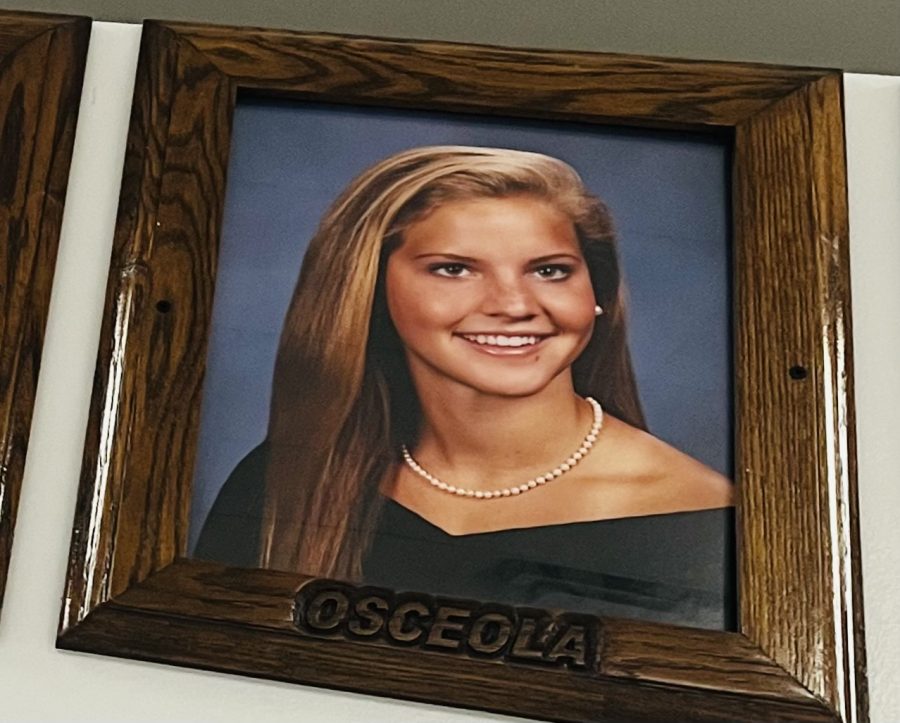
156	234
793	311
41	69
506	81
631	650
151	623
799	652
18	29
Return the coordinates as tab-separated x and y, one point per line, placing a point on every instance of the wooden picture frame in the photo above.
799	652
42	60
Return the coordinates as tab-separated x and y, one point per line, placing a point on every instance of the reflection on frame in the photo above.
42	60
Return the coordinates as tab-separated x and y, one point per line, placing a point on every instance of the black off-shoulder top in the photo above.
675	568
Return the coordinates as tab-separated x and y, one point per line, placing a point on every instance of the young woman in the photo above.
454	409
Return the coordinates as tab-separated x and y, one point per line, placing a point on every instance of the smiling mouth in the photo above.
504	343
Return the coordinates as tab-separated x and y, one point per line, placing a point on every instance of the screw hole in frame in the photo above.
164	306
798	372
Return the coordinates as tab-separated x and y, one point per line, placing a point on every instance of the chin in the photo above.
509	385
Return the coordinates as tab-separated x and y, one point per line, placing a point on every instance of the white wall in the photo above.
872	106
38	682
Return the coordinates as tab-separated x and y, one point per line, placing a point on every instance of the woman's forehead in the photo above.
522	223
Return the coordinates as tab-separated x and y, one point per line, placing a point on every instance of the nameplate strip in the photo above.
336	610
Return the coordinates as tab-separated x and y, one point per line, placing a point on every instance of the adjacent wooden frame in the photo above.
42	60
799	654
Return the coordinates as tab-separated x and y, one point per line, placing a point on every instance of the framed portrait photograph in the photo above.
42	59
427	363
286	171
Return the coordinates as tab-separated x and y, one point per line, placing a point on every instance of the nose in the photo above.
509	297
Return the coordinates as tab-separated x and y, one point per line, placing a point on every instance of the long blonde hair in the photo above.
342	400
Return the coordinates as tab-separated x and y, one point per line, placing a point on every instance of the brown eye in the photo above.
553	272
450	270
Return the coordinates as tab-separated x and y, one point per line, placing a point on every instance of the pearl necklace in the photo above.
531	484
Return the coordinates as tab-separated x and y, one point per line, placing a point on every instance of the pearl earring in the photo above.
598	310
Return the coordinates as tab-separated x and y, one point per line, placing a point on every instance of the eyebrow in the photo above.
552	257
469	259
455	257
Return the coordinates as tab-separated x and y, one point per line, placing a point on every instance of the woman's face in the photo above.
492	294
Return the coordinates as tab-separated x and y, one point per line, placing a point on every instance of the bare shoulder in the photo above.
643	475
694	486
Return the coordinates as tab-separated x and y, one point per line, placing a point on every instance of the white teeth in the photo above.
497	340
